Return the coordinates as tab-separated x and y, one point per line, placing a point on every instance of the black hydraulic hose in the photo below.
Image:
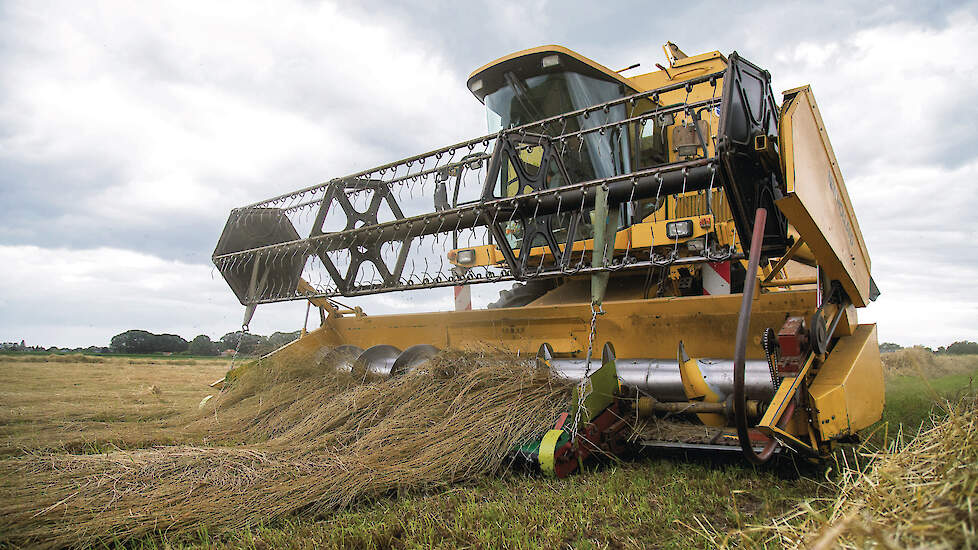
740	347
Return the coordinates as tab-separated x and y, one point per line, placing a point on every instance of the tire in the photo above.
523	293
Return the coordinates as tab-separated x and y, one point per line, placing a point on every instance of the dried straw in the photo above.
315	440
921	362
917	495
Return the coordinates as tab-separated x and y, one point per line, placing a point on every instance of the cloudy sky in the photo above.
128	133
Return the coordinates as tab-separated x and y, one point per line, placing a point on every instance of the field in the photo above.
79	403
87	405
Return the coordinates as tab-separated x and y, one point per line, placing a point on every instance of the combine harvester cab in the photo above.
682	247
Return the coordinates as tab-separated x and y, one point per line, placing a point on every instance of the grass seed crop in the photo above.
115	451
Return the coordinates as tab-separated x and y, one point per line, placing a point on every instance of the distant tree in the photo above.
887	347
230	340
202	345
141	341
962	348
279	339
171	343
250	343
133	341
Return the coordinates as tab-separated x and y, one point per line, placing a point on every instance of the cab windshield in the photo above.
591	156
543	96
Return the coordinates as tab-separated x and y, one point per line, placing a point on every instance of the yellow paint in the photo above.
848	391
684	69
697	389
599	392
639	235
547	447
705	323
786	391
784	436
817	203
847	388
556	49
646	234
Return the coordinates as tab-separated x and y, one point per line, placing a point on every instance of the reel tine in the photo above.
408	184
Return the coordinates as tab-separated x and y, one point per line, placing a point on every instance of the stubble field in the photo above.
79	405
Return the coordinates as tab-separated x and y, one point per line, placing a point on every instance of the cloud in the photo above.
895	95
83	297
127	134
180	114
897	100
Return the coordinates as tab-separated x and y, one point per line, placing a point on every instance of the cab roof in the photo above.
529	62
526	63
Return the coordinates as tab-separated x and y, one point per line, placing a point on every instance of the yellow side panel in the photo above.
786	392
848	391
639	235
690	67
647	234
638	328
817	203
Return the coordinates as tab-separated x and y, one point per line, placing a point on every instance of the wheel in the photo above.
818	335
523	293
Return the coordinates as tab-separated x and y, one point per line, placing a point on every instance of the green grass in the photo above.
910	400
82	354
172	356
653	502
645	504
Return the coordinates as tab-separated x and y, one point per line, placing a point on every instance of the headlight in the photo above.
679	230
550	61
466	256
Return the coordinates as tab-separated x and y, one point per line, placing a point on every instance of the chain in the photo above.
772	355
244	330
583	388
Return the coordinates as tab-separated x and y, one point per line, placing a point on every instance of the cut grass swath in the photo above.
920	494
312	440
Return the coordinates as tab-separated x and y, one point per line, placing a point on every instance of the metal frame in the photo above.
359	254
748	113
507	155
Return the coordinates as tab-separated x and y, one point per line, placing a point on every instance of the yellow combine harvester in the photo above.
680	221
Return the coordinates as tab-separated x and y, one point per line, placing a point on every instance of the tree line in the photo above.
964	347
142	341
